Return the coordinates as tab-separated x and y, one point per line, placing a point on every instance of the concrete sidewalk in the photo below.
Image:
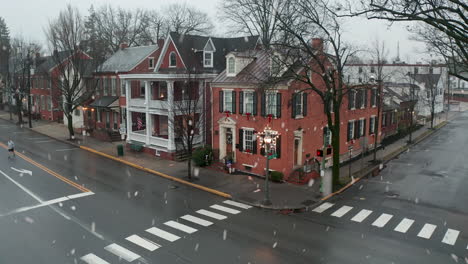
241	187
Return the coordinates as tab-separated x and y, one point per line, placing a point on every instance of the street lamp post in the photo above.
267	140
28	61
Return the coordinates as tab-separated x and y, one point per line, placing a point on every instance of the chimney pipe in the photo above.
317	44
123	46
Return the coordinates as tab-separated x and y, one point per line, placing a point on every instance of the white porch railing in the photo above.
159	142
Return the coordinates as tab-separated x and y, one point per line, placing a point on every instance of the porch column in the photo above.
148	121
129	115
170	117
201	104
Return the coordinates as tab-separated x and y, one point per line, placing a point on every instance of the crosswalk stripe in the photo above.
211	214
342	211
197	220
93	259
404	225
181	227
240	205
382	220
225	209
162	234
321	208
142	242
122	252
451	236
363	214
426	231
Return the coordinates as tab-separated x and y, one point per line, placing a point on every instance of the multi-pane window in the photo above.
372	125
113	87
122	87
352	99
271	104
374	97
248	140
384	119
248	102
142	89
362	123
208	59
327	136
172	59
231	65
227	101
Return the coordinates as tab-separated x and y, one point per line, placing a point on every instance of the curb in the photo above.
172	178
385	160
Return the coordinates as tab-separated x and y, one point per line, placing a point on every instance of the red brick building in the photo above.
105	117
241	109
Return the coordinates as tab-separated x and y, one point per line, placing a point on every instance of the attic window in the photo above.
151	62
208	59
231	66
172	60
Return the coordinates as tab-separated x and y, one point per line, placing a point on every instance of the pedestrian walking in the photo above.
11	149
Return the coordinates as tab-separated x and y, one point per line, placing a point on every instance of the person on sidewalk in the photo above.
11	149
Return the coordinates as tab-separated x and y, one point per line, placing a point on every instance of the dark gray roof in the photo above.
125	60
51	61
104	101
428	79
191	48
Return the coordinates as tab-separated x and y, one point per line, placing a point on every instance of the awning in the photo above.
106	102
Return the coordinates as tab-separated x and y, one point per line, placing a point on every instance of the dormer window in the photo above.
208	59
231	67
172	59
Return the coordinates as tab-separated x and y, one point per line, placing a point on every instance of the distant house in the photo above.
184	70
106	115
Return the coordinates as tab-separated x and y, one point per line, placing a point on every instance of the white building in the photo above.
424	76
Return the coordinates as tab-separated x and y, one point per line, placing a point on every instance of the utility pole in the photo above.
379	106
28	58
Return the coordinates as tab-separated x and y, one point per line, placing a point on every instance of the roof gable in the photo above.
127	59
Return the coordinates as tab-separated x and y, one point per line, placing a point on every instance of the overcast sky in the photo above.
29	17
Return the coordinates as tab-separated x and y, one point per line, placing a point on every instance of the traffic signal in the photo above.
319	153
329	151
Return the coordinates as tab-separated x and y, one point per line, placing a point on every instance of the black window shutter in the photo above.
364	129
254	144
370	125
350	97
233	102
349	131
254	104
356	129
241	102
304	104
278	105
263	105
293	110
241	140
262	151
278	147
221	101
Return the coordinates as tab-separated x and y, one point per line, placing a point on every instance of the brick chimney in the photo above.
317	44
123	46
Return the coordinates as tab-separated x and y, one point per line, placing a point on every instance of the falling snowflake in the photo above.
416	200
136	193
29	219
76	178
257	190
72	252
274	232
60	204
93	227
49	156
454	257
196	247
311	182
328	228
360	187
275	244
65	157
282	124
428	251
153	222
53	242
224	234
129	195
73	207
255	165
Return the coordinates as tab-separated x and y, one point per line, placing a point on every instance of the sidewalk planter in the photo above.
136	147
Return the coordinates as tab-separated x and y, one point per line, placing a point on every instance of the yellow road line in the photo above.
201	187
53	173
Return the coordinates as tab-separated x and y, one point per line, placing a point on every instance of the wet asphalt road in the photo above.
47	219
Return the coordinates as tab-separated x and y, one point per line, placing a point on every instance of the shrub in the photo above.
200	156
276	176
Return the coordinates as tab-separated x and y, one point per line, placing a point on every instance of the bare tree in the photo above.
187	122
255	17
431	92
155	29
312	64
446	17
64	34
185	19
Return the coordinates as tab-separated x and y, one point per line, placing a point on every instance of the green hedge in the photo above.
199	156
276	176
